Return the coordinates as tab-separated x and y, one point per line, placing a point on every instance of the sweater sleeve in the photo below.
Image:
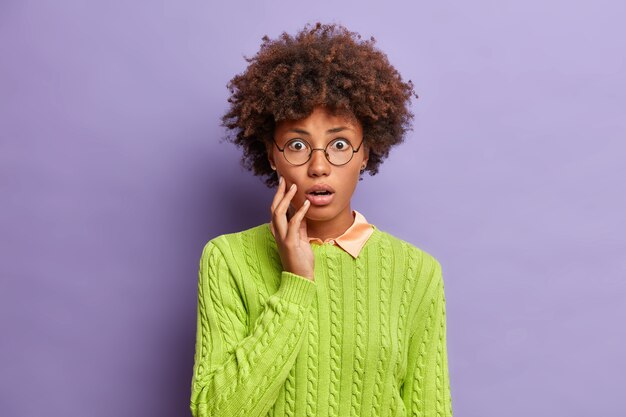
238	371
426	388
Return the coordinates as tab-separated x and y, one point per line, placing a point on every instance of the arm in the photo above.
239	371
426	388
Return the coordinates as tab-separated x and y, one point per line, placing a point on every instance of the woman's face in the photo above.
318	129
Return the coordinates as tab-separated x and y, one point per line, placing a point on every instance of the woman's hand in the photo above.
291	236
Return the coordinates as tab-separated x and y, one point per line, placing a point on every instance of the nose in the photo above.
318	165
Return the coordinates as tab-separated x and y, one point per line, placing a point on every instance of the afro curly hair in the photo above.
326	65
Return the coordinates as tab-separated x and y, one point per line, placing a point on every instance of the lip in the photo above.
320	200
320	187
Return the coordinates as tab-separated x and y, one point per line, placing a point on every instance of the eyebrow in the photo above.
333	130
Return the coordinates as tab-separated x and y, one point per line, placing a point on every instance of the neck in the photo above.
329	228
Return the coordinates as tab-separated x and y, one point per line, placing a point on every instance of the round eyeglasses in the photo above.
338	151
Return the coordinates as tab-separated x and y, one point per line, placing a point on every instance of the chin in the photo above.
320	213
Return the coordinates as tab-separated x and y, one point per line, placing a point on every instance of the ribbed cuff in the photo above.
296	289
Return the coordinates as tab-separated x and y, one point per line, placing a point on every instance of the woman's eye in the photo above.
341	144
297	145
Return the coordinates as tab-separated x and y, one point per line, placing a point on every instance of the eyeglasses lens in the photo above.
339	152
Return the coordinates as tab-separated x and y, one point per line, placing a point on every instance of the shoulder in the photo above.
236	244
406	248
423	270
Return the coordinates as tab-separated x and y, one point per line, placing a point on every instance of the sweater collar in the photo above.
352	240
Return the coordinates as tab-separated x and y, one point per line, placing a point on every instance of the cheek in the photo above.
292	176
353	182
288	183
299	195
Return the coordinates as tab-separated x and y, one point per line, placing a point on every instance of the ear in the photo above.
270	154
366	154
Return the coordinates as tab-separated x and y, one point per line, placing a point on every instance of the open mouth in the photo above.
320	198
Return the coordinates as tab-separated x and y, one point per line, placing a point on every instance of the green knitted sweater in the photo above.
366	338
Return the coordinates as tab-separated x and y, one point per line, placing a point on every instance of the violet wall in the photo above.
112	178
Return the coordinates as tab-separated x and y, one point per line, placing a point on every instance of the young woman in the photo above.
318	312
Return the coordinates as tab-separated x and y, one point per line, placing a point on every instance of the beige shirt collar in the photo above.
352	240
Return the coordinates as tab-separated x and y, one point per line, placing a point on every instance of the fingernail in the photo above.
292	185
280	180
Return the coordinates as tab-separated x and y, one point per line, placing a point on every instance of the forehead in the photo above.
320	120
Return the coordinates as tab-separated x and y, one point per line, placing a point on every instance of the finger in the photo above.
280	191
285	202
273	228
304	235
278	196
296	222
280	216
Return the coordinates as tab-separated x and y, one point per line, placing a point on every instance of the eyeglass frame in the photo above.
318	149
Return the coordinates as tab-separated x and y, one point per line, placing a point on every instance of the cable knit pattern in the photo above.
383	267
290	393
367	338
251	261
335	334
312	361
359	337
418	391
409	284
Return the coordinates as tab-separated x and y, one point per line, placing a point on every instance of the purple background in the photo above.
112	178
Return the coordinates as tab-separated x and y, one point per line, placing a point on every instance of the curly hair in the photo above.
326	65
